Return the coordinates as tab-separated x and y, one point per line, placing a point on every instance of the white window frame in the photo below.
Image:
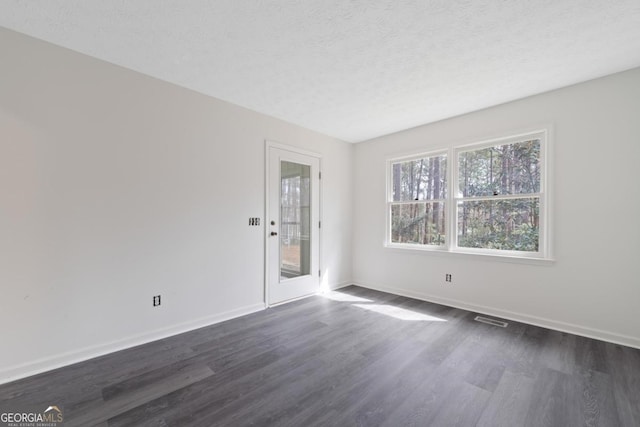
453	197
391	202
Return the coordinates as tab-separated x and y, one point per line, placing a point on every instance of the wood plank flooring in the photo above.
355	358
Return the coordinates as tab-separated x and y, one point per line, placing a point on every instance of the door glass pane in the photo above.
295	220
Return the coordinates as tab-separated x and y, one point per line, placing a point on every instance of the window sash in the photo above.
522	173
417	157
509	230
436	235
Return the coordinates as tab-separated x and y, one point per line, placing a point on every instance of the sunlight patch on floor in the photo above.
399	313
344	297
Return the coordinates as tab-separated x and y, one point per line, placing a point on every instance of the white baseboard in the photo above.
38	366
319	292
510	315
340	285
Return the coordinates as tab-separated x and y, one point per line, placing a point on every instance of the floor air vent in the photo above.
493	322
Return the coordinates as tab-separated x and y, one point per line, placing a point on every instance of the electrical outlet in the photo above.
156	300
447	277
254	221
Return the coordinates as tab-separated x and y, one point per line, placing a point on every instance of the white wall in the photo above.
115	187
593	288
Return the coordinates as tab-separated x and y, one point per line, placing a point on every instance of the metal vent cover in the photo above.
489	321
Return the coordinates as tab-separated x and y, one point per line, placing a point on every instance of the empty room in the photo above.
319	213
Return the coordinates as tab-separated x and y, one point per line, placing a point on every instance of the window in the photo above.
492	202
419	192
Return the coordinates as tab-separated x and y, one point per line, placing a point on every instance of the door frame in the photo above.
269	144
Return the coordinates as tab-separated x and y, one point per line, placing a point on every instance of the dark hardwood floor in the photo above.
363	358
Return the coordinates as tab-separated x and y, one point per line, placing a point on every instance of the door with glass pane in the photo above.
292	225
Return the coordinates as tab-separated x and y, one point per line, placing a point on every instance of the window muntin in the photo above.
495	205
417	200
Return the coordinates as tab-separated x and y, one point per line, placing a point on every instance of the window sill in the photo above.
470	255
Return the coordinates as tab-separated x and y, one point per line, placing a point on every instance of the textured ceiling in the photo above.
351	69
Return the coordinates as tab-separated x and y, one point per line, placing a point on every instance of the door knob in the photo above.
273	233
